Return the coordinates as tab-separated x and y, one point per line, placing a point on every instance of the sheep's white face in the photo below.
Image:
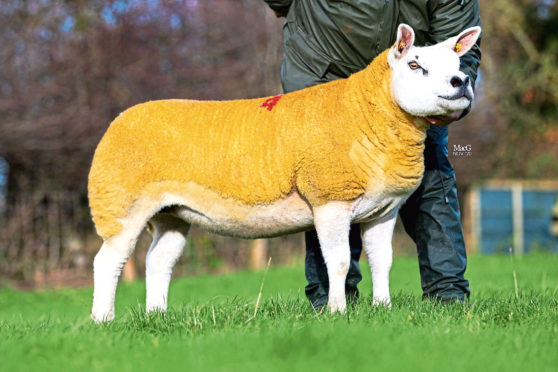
426	81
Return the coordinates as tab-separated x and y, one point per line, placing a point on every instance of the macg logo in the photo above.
462	150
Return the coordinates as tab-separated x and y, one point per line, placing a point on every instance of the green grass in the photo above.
209	325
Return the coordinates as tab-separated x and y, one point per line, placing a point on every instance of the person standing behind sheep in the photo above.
325	40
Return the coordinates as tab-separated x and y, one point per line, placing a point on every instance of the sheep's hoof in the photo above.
100	317
337	306
386	302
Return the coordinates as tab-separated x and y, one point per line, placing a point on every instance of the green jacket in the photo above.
329	39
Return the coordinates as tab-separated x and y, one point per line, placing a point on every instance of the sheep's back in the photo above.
239	149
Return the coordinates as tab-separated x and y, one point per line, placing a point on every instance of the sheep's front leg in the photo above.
376	238
332	222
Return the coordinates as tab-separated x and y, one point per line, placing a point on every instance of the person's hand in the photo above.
279	14
443	120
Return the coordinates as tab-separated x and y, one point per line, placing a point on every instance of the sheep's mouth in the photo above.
462	94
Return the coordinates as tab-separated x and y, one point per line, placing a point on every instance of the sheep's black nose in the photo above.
466	80
456	82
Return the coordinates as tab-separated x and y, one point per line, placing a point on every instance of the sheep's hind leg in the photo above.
169	238
107	267
332	222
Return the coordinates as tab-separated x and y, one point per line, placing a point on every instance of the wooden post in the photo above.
258	254
129	272
474	220
517	200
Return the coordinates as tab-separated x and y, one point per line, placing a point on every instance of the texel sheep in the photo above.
325	157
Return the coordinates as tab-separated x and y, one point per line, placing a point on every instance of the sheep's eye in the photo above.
413	65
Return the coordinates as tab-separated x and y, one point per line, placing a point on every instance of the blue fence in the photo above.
518	218
537	215
496	221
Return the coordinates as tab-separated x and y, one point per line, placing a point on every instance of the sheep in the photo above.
349	151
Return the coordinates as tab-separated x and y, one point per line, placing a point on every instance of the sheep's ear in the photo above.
463	42
405	40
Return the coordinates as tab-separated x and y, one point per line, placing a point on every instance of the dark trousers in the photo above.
430	216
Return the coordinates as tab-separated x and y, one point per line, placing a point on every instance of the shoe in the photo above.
352	295
319	304
446	300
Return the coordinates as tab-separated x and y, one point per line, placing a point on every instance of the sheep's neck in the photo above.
385	129
375	100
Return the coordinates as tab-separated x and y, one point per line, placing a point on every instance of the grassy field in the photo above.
210	326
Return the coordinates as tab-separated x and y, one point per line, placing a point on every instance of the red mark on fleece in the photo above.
271	102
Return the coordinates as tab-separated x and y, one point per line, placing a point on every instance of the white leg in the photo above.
376	238
107	267
169	239
332	223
